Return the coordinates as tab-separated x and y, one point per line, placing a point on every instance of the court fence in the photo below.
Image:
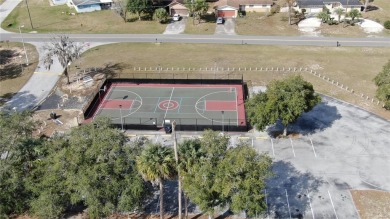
188	124
182	124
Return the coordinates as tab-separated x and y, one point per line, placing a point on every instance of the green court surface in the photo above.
187	104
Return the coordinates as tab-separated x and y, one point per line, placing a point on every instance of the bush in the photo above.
387	24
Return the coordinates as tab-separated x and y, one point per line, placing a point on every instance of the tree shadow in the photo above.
208	18
6	55
109	70
10	71
291	183
318	119
152	205
21	101
372	8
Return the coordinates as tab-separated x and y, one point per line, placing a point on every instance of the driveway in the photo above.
227	28
176	27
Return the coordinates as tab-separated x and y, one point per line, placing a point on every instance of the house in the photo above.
316	6
59	2
89	5
230	8
178	7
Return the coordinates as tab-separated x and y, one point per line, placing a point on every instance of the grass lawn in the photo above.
12	77
206	26
260	24
353	67
48	18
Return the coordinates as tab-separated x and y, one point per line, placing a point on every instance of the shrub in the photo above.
387	24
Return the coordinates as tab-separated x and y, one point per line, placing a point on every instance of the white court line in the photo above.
315	155
308	196
169	102
101	102
236	97
331	201
288	203
272	144
292	146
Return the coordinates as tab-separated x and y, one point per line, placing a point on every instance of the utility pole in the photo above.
24	48
29	15
177	165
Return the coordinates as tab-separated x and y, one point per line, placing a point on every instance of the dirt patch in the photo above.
66	119
371	203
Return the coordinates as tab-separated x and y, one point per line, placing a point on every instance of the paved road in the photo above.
217	39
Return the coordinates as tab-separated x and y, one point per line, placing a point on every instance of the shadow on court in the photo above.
287	191
318	119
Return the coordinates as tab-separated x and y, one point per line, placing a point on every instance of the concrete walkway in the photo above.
40	84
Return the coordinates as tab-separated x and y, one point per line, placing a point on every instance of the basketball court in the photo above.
187	104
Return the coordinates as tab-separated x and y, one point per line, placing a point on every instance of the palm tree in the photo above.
339	12
324	16
354	14
157	163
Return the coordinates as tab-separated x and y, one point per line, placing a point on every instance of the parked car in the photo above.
176	17
220	20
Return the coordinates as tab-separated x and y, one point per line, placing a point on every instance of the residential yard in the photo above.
348	66
46	18
206	26
371	203
261	24
13	76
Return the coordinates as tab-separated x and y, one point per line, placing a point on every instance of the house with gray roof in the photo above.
89	5
315	6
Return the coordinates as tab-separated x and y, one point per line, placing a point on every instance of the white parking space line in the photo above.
272	144
266	202
292	146
288	203
312	146
156	138
252	142
331	201
311	208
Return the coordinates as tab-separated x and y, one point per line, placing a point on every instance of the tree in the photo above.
90	166
189	153
161	15
196	8
138	6
290	4
242	179
366	5
18	152
121	9
382	81
66	51
324	16
157	163
284	100
354	14
339	12
215	175
200	177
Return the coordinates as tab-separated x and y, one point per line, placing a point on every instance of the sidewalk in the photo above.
39	86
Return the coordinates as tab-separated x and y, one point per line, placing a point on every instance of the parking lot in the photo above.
341	148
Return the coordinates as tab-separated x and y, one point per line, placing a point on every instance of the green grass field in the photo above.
46	18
